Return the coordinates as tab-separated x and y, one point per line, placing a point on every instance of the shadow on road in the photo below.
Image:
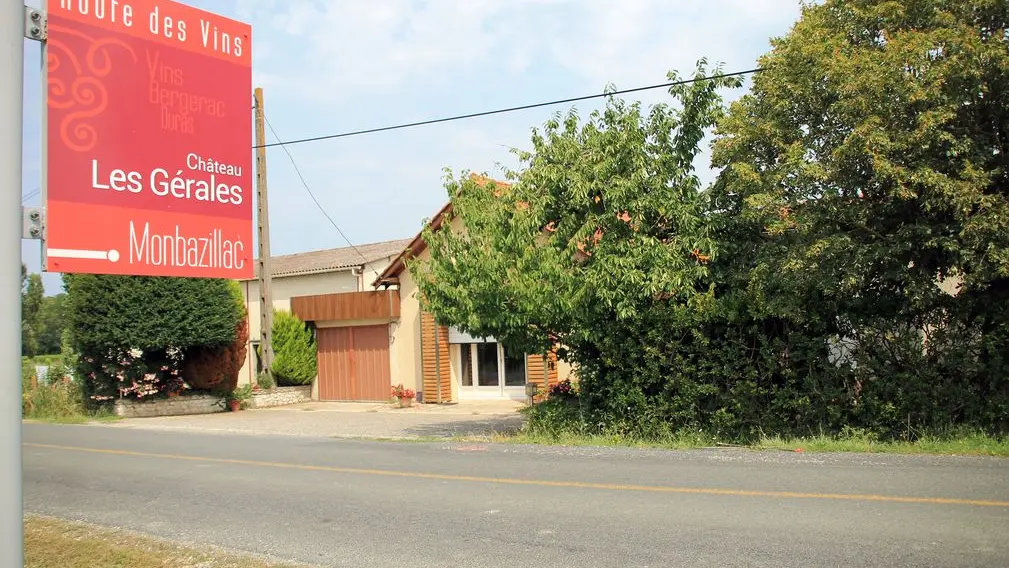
468	427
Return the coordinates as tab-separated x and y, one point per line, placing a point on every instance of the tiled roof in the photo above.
330	260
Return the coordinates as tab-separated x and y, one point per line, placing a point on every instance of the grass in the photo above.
55	543
83	418
970	443
61	403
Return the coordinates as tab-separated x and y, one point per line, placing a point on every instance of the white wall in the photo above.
286	287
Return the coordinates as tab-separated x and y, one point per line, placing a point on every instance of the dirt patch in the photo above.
56	543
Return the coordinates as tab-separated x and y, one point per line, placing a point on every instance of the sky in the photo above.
332	66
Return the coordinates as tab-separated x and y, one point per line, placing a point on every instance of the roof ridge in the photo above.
313	251
339	258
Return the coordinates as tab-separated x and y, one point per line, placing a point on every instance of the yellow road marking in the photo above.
543	482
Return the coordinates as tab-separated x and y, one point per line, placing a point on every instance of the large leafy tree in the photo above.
599	244
868	163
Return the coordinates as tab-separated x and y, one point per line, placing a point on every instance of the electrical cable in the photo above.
322	209
504	110
284	144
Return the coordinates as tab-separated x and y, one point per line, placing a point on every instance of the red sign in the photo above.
149	140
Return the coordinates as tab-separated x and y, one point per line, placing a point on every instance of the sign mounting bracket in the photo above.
36	27
33	221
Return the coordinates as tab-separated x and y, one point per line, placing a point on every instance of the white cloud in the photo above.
339	65
374	46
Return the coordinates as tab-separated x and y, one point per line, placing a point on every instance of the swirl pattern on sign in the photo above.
77	86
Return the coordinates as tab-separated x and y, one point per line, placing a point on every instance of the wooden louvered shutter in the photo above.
535	372
434	360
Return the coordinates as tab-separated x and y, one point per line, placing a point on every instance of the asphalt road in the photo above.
366	504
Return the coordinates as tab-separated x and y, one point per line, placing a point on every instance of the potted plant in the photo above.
236	399
404	395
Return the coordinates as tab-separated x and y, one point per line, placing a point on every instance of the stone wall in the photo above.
281	396
175	406
207	404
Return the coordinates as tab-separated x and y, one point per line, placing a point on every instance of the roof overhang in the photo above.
390	276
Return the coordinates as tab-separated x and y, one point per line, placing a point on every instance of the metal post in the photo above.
44	137
12	50
263	216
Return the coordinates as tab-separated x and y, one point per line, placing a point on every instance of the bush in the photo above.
294	351
132	374
265	381
216	368
62	399
28	364
555	417
150	313
133	333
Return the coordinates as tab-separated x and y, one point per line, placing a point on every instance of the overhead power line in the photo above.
504	110
304	183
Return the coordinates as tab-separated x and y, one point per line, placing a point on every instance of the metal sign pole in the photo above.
12	50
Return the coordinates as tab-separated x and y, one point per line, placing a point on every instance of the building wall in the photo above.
405	337
286	287
404	349
565	371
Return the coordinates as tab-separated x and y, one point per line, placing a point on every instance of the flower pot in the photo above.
405	402
234	405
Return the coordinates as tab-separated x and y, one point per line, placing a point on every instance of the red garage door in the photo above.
354	363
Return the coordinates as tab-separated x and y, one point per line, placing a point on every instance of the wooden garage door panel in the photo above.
371	362
354	363
335	378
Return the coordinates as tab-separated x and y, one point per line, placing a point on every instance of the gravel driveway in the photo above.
350	420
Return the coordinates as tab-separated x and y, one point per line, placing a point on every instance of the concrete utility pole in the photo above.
263	216
12	63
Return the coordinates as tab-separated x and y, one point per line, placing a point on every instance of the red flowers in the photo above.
563	388
399	392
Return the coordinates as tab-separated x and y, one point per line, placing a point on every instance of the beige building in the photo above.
446	364
371	339
329	271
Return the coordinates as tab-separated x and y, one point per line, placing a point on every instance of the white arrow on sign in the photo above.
110	255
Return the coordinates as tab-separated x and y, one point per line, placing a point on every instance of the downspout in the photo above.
359	272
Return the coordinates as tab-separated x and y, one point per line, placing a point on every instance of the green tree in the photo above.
294	350
600	244
32	294
52	321
869	162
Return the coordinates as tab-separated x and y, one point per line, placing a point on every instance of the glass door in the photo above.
488	375
487	371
